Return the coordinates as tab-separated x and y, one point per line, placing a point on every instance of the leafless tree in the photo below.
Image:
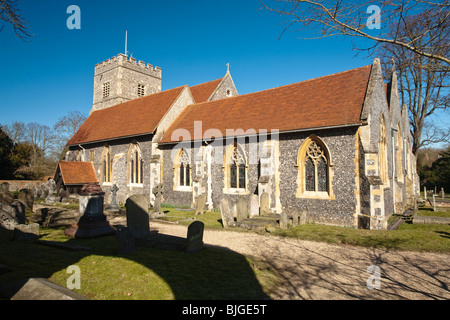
16	131
423	81
322	18
41	138
9	13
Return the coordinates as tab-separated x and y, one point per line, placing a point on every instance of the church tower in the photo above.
120	79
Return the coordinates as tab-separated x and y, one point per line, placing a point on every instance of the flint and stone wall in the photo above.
119	150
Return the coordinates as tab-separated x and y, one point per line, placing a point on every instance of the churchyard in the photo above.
139	263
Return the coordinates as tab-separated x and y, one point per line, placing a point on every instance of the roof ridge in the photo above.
287	85
147	96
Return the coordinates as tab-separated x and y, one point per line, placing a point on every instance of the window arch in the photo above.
135	165
235	168
182	174
106	165
314	170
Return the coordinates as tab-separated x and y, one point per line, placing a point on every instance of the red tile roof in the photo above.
333	100
77	173
135	117
203	92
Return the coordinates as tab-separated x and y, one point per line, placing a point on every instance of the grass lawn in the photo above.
154	274
147	274
440	212
413	237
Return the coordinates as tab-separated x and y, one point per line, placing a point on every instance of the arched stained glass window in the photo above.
237	167
314	170
184	170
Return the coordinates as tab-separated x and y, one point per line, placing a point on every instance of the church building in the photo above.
337	147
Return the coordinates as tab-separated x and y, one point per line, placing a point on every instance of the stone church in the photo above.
337	147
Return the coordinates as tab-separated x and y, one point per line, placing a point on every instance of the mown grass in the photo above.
440	212
147	274
410	237
154	274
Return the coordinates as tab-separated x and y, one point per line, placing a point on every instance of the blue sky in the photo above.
192	41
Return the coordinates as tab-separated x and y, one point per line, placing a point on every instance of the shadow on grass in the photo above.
212	273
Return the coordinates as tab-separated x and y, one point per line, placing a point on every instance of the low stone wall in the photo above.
16	185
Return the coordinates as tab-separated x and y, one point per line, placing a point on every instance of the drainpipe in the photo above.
84	152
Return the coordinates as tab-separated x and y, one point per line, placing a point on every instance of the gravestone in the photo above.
227	214
6	197
157	191
138	219
283	220
254	205
12	215
4	187
36	193
194	239
442	193
264	204
26	196
125	241
241	209
114	205
425	192
303	217
44	191
295	218
51	198
26	232
200	205
92	222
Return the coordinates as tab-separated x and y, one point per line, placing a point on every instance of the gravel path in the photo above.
313	270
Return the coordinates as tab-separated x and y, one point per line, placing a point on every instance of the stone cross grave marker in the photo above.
114	205
157	191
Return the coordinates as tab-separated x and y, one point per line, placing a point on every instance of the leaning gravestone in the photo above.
194	239
227	214
200	205
264	204
26	196
241	209
138	220
254	205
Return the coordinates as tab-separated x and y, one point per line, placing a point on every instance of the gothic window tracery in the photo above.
237	168
314	170
135	165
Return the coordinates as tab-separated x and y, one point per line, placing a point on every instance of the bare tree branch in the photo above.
9	13
350	19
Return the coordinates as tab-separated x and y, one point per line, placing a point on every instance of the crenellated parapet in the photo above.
131	63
